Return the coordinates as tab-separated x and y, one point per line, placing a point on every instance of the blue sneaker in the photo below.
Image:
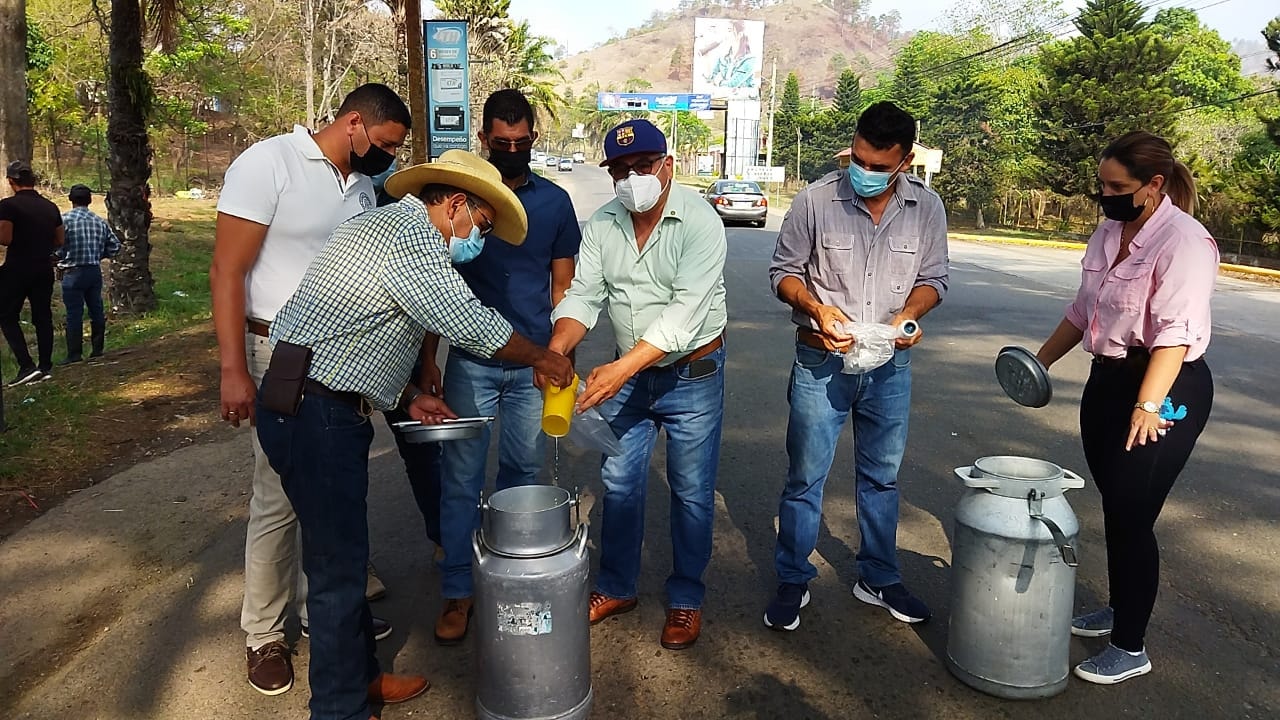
1095	624
902	605
784	612
1113	665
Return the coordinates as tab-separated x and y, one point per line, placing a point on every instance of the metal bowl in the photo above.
460	429
1023	377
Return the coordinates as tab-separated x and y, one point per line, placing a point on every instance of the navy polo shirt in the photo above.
516	280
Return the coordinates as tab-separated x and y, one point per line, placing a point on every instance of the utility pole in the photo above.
773	85
675	144
797	154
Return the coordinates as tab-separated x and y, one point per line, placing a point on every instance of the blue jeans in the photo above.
473	388
322	456
691	410
821	399
81	286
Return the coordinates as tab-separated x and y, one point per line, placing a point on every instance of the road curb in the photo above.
1064	245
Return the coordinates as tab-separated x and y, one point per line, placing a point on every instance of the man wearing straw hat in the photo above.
344	345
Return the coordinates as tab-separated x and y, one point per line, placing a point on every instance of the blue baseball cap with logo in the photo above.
633	137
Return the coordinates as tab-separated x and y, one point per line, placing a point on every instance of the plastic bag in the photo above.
589	430
873	345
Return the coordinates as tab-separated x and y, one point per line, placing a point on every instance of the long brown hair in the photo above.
1145	155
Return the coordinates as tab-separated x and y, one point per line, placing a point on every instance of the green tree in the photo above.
1259	162
972	148
848	101
785	121
1206	71
1108	81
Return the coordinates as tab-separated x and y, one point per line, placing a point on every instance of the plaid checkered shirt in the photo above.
381	283
88	240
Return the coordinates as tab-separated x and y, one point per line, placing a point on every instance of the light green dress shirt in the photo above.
670	294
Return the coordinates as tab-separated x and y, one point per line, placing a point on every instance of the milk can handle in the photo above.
1072	481
475	547
581	541
981	481
1059	538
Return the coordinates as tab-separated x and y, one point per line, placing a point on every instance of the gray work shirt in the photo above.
829	243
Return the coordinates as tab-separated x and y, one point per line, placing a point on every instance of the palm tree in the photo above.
129	98
531	69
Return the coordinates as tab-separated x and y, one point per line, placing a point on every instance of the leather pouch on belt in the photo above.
285	378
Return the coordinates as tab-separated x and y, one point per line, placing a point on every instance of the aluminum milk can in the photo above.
1013	577
533	643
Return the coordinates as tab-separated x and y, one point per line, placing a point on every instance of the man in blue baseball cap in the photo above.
655	255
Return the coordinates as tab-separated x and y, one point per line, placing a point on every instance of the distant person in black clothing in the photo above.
31	229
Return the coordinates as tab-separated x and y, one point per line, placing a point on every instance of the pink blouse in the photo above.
1156	297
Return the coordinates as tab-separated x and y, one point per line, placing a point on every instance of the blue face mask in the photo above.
869	183
465	249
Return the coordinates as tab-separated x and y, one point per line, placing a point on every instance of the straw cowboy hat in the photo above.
472	174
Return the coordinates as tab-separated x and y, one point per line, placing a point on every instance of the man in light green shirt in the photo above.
655	256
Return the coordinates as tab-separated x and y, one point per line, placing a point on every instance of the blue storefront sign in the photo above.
448	86
655	102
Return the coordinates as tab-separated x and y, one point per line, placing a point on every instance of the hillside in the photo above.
804	36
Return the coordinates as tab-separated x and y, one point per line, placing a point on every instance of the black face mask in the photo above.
1121	207
374	160
512	164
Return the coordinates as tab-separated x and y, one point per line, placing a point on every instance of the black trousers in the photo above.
1135	483
422	465
19	285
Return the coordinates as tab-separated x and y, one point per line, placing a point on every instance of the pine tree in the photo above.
848	94
1110	80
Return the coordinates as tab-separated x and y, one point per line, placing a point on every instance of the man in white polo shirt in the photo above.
281	200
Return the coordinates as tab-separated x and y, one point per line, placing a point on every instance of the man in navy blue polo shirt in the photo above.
523	283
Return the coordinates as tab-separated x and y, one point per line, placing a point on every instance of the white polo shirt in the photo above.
287	184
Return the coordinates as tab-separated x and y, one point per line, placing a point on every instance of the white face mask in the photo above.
639	193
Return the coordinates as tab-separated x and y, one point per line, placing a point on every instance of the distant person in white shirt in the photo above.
281	200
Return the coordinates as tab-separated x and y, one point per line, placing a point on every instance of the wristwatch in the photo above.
1147	406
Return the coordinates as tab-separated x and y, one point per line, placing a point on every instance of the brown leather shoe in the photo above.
603	606
270	668
455	617
388	689
682	628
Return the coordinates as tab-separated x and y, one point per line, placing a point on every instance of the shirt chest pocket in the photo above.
904	262
835	252
1129	285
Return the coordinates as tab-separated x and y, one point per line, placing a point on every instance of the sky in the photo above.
582	24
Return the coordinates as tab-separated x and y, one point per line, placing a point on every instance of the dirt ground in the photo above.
160	396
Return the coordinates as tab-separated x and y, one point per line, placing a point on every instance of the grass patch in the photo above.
59	426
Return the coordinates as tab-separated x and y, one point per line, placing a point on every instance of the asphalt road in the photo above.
124	601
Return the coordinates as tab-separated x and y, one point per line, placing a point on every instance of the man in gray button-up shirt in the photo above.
867	245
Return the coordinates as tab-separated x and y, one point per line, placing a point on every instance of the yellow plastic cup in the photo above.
557	408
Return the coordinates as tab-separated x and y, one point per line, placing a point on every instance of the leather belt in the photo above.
812	338
259	328
353	399
701	352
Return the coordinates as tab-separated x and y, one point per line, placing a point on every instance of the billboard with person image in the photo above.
727	56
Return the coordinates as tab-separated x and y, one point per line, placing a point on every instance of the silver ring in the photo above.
232	412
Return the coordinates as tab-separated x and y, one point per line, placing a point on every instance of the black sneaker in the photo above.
25	375
784	612
381	629
902	605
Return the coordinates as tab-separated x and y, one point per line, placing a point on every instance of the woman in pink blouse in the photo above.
1142	310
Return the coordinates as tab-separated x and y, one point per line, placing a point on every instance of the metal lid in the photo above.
1023	377
528	520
